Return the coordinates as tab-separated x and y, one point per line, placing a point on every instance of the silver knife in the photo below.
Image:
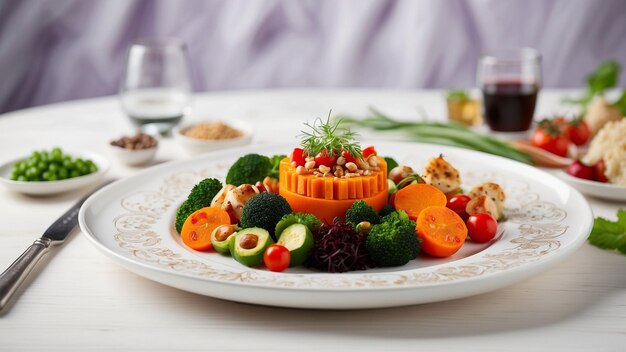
13	277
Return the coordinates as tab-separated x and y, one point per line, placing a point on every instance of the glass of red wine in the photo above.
510	80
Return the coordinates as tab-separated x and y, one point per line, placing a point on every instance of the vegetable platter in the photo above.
133	221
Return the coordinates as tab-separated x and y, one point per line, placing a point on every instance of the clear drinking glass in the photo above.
510	80
156	88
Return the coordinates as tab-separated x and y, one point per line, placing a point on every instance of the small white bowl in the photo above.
54	187
195	146
133	157
596	189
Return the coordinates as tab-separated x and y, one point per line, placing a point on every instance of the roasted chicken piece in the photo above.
232	199
494	192
441	174
482	204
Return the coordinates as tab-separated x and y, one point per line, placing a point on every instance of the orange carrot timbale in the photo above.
417	197
196	232
442	231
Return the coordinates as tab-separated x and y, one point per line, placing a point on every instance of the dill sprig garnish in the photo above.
328	136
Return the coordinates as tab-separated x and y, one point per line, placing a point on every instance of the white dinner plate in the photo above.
131	221
55	187
595	189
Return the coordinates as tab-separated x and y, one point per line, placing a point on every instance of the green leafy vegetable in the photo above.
451	134
605	77
608	234
328	136
391	163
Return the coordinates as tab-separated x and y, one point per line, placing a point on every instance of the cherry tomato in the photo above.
598	171
298	156
550	137
578	132
276	257
369	151
323	158
349	158
580	170
458	204
482	227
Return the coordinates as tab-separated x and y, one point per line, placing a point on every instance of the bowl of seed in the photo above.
138	149
207	136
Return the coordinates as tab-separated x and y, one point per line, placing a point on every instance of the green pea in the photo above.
31	172
74	173
46	175
22	178
62	173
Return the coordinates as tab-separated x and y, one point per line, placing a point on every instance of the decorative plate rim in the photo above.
390	280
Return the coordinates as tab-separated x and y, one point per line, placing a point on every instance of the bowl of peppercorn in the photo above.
138	149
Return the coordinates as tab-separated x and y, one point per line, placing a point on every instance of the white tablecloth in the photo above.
81	301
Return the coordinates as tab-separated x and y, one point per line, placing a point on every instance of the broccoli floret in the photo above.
265	210
251	168
391	163
396	215
386	210
361	211
393	242
308	220
199	197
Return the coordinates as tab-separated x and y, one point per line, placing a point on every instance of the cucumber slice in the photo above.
298	239
221	244
248	246
309	220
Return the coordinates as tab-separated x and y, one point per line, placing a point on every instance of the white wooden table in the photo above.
81	301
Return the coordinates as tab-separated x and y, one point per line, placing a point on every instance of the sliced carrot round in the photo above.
442	231
417	197
196	232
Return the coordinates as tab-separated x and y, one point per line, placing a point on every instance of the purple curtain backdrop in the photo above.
56	50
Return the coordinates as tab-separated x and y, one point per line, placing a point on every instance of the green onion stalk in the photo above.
452	134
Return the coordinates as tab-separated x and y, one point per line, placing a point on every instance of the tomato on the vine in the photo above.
369	151
482	227
276	257
549	136
297	156
578	131
458	204
324	158
349	157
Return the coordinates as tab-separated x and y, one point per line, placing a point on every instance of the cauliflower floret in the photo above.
610	145
615	162
599	113
440	174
